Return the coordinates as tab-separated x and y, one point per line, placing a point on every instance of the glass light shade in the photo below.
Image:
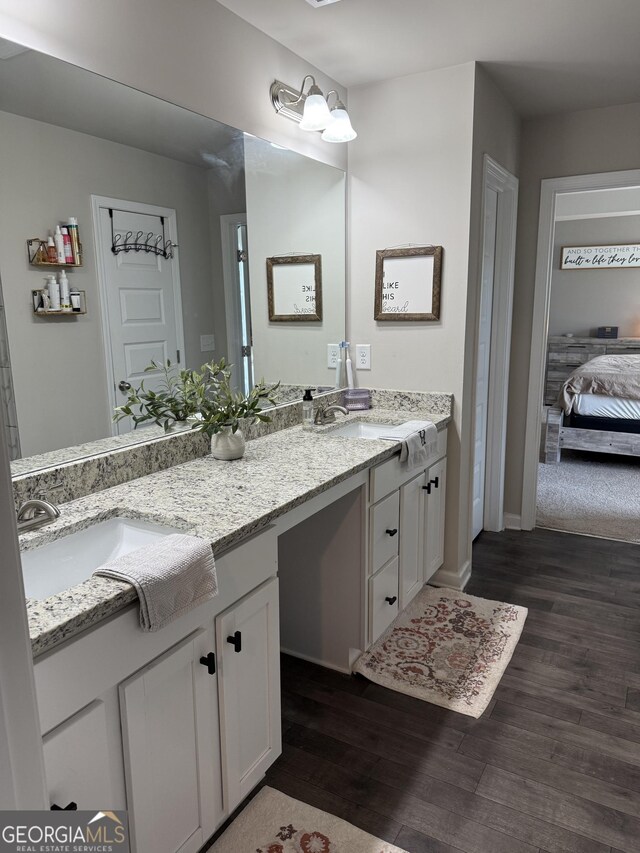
340	129
316	115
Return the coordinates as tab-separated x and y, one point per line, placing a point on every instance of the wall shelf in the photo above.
32	253
42	313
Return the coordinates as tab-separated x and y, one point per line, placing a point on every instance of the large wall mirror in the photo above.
127	165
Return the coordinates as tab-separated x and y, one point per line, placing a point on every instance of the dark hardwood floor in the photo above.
552	766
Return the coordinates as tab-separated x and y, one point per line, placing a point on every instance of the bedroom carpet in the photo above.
592	494
275	823
447	648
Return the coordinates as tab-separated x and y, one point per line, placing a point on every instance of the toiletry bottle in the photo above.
52	255
66	239
59	244
72	228
307	409
74	296
54	293
63	281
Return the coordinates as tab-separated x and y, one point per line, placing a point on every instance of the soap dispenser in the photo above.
307	409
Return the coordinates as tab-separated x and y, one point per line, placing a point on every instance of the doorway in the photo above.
558	195
140	297
499	215
235	269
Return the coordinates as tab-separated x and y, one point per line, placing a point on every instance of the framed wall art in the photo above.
294	288
408	283
600	257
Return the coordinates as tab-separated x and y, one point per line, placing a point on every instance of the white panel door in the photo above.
435	515
411	539
248	644
172	750
141	304
483	358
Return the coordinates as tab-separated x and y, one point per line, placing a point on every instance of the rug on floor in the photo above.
275	823
593	494
446	648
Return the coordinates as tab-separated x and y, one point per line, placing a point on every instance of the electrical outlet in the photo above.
363	356
333	356
207	343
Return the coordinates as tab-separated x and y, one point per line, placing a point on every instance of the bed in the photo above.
598	409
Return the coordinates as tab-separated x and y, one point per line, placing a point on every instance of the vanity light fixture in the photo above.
311	110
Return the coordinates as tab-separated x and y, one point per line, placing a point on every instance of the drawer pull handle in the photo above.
236	641
392	532
210	662
71	807
391	599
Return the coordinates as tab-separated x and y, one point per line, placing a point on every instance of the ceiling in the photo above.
547	56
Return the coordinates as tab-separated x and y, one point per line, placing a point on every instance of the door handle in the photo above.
236	641
210	662
392	532
391	599
124	386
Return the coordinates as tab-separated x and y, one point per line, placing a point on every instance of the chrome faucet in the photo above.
327	414
36	512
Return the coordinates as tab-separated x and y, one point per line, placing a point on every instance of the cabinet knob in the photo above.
391	599
210	662
436	482
71	807
236	641
392	532
427	488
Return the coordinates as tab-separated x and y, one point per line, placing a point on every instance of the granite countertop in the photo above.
223	502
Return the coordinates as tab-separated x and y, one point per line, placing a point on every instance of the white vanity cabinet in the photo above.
175	726
406	533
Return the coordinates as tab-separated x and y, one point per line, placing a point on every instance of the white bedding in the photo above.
602	406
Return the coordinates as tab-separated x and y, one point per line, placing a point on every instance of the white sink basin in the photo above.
72	559
363	429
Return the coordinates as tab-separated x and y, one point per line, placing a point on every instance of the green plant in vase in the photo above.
206	398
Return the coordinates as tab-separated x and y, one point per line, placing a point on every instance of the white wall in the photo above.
577	143
294	206
410	182
196	54
58	365
582	300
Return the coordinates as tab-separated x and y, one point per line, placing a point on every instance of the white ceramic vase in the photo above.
227	445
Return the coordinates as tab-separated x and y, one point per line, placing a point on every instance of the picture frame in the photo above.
294	288
408	283
600	257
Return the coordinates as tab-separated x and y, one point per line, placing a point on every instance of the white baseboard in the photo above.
512	521
457	579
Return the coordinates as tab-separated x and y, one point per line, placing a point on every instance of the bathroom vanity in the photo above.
320	538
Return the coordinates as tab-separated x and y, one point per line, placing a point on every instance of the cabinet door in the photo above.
83	759
411	539
249	687
171	750
434	515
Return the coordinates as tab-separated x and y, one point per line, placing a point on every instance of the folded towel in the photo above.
170	577
420	444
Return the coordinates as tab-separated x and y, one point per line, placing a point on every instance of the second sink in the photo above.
72	559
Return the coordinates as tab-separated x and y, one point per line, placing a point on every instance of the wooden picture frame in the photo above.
408	283
294	288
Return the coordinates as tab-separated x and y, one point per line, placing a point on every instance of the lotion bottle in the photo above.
66	239
54	294
65	300
58	240
307	409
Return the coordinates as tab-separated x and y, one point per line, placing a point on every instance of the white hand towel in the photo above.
419	445
170	577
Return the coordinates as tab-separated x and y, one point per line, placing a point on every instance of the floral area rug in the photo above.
446	648
275	823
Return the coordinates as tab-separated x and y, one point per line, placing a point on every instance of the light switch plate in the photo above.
363	356
333	355
207	343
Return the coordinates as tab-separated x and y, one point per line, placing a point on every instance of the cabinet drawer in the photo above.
390	475
383	599
384	524
621	349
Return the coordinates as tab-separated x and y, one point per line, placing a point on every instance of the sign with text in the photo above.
294	288
64	831
599	257
408	283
